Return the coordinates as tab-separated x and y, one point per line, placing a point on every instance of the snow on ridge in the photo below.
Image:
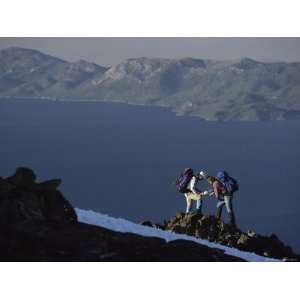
125	226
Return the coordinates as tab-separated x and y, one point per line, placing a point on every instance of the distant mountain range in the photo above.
243	89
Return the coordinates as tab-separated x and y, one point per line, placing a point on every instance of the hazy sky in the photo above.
110	51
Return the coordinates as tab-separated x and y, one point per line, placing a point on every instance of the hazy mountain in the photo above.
25	72
243	89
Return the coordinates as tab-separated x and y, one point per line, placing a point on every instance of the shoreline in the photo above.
170	108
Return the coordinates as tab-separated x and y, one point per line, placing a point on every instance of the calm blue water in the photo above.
122	160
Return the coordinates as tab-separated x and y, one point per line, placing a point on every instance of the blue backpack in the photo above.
230	184
183	180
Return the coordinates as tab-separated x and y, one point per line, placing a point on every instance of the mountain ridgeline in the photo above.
243	89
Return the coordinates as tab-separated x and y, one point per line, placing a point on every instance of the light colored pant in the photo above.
227	201
189	198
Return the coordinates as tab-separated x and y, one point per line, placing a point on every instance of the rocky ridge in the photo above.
37	223
215	230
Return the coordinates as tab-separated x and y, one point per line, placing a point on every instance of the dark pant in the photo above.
227	201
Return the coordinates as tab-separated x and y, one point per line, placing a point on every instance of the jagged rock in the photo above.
23	200
274	238
150	224
214	230
178	229
58	208
147	223
24	177
5	186
159	226
19	206
49	185
251	233
243	239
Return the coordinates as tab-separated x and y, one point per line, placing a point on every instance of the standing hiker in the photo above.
224	187
186	183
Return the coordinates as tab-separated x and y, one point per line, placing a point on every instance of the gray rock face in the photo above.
244	89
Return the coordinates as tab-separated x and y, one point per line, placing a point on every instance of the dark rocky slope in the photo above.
214	230
38	224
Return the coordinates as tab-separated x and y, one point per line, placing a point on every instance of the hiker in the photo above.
186	183
224	187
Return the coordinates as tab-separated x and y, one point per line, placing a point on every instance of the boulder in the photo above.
150	224
243	239
251	233
5	186
24	200
146	223
58	208
159	226
23	177
19	206
49	185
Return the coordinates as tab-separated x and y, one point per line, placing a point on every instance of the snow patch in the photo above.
122	225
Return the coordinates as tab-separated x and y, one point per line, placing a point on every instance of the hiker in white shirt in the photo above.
194	193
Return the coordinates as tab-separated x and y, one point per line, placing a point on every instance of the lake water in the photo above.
122	160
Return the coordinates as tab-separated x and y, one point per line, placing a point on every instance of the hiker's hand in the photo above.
211	194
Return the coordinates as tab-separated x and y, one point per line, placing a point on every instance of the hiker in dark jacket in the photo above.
224	194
